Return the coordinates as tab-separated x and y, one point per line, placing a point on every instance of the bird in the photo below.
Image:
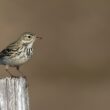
18	52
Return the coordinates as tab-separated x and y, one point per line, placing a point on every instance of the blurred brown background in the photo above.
70	67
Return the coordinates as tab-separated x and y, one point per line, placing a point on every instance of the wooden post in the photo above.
14	94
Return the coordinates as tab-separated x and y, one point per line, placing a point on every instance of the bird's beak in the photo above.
39	37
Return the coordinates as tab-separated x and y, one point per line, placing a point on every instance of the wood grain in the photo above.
14	94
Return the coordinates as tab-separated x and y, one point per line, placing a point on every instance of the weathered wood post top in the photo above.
14	94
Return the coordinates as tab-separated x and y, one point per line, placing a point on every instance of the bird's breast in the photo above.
21	56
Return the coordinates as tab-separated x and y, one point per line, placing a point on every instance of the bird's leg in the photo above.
7	70
18	69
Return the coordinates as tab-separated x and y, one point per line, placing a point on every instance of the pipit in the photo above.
18	52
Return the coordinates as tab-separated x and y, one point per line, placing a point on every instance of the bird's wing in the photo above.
10	50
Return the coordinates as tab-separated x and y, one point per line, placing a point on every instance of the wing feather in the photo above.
10	50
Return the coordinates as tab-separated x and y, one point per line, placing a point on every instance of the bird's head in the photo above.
28	38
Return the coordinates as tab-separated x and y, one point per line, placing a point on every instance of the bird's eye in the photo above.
29	36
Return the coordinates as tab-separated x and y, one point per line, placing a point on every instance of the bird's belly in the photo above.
18	60
15	62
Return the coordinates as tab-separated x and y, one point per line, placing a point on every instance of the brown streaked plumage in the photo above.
18	52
